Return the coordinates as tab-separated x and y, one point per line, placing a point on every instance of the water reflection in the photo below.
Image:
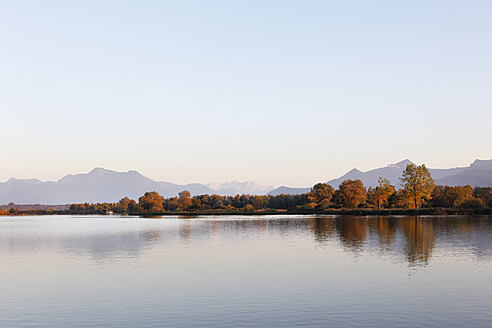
352	232
412	236
185	231
385	230
419	236
323	228
151	234
412	239
258	271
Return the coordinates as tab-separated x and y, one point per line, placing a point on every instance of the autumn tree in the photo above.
258	202
417	183
248	208
195	204
461	194
284	201
398	200
216	201
132	207
150	202
184	200
122	205
485	194
103	208
380	195
446	196
320	192
473	203
372	197
352	193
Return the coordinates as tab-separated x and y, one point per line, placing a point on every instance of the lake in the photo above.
245	271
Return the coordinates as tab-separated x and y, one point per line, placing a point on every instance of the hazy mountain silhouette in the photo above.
236	187
478	174
289	191
99	185
370	178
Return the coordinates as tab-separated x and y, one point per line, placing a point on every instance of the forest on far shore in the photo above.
419	194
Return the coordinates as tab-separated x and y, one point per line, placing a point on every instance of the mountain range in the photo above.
478	174
101	185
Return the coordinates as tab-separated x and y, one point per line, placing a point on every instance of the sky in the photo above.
280	92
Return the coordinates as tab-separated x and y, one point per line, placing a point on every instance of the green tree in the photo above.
352	193
417	184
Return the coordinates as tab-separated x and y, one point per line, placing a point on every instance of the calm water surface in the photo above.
278	271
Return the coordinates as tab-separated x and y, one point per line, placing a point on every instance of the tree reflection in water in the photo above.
151	234
419	236
385	228
352	232
411	236
323	228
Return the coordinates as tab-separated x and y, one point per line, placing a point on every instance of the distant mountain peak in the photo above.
479	173
288	191
354	170
235	187
100	170
402	164
29	181
482	164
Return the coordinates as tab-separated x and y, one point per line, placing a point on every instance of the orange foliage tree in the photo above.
352	193
150	202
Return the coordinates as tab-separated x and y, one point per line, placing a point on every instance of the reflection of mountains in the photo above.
414	238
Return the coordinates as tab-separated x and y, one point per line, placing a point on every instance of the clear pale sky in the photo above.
280	92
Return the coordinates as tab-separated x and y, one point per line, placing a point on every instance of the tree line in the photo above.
418	191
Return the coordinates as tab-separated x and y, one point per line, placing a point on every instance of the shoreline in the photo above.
340	212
